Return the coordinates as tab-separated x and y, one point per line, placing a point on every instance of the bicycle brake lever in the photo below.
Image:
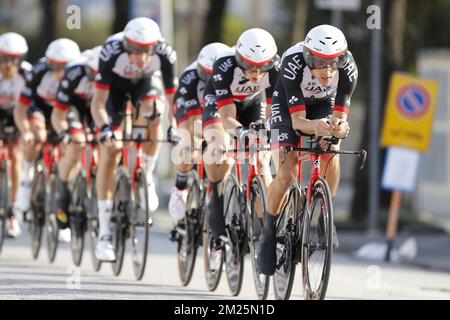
363	155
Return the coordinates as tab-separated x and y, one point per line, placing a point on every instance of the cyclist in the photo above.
317	79
75	89
138	64
188	110
13	69
237	95
33	112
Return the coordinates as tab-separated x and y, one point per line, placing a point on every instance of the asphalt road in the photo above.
21	277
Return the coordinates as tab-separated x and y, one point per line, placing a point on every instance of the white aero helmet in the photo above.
325	46
256	49
141	35
92	57
61	51
13	44
206	58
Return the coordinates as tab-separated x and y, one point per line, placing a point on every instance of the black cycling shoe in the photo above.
266	254
62	198
216	219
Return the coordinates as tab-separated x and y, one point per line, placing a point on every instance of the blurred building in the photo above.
432	200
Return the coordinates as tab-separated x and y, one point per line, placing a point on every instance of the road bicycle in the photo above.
304	229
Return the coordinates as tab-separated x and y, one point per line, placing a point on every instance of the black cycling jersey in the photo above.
124	80
188	98
298	90
117	71
76	89
39	93
10	90
229	84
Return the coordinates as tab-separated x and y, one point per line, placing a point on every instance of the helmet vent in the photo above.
322	42
334	42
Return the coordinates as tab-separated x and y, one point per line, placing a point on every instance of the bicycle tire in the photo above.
92	222
52	230
38	203
120	224
4	201
187	251
212	277
287	234
235	229
78	218
320	192
255	224
137	221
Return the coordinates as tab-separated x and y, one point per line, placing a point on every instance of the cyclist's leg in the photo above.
184	162
30	151
149	94
71	156
216	166
253	112
109	157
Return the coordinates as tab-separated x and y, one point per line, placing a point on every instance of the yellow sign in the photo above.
410	110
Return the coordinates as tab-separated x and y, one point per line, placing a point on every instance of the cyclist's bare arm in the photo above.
317	126
170	115
21	119
59	121
98	107
228	117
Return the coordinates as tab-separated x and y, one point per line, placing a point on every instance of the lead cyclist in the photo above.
317	79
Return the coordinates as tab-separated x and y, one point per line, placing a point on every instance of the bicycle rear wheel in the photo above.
317	242
4	200
119	218
52	229
78	218
92	223
255	225
236	233
38	203
187	249
212	276
139	225
287	235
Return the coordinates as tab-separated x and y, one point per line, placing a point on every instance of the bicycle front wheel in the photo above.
139	225
38	203
258	209
187	249
92	227
51	224
235	228
212	276
317	242
78	219
4	200
119	217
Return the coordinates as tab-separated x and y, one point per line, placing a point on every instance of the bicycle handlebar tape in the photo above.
216	219
267	256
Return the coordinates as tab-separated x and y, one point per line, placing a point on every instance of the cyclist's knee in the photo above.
285	177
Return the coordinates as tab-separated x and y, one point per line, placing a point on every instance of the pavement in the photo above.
431	245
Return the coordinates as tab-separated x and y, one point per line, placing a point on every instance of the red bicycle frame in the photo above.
315	168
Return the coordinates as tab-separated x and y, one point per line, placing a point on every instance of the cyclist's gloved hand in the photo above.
106	133
63	137
173	135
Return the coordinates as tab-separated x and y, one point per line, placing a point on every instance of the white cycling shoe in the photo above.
177	203
64	235
104	251
14	229
153	201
